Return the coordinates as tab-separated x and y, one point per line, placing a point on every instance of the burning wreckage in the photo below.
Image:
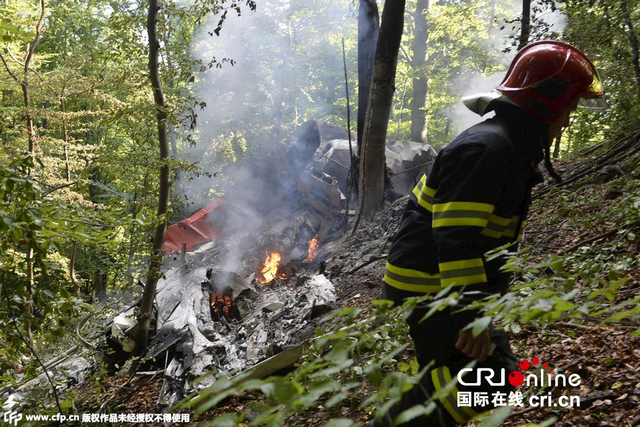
246	293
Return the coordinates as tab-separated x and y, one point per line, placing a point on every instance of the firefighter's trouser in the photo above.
434	339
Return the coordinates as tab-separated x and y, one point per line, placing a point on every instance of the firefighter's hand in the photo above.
476	348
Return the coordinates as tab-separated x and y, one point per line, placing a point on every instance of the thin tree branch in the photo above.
6	66
14	58
587	241
34	45
406	56
15	325
59	188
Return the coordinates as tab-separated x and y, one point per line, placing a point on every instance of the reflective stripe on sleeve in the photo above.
462	273
424	194
521	233
411	280
511	228
441	377
498	226
461	214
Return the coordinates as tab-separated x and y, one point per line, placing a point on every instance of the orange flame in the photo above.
313	250
270	269
221	303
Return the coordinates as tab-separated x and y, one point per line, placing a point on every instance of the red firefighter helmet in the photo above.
547	76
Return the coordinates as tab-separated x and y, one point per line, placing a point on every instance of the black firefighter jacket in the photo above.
474	199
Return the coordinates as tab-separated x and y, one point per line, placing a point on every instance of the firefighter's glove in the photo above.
476	348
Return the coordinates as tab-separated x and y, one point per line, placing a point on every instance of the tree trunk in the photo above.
633	39
556	146
30	286
400	113
372	161
236	147
24	82
174	155
65	135
447	128
100	286
72	269
419	47
368	29
155	262
29	119
135	209
525	29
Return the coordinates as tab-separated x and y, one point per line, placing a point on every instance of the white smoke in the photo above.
475	83
287	64
471	82
553	17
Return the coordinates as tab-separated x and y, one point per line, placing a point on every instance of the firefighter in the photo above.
475	199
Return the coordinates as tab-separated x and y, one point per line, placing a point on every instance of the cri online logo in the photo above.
517	378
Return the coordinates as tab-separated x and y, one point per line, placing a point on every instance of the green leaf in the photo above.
546	423
373	376
497	417
382	303
410	414
562	305
282	390
335	399
227	420
67	404
338	353
403	367
478	325
515	328
339	422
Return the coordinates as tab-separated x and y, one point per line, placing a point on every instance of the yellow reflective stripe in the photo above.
465	263
463	206
411	273
445	399
491	233
511	228
524	223
447	378
498	226
500	220
411	280
424	194
462	273
464	281
424	188
461	214
427	289
422	202
459	222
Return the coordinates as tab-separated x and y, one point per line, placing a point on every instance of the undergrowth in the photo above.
362	364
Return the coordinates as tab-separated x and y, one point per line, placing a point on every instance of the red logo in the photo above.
517	378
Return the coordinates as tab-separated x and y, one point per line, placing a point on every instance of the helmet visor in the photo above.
593	104
593	99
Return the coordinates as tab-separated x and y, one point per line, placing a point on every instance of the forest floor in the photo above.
588	223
